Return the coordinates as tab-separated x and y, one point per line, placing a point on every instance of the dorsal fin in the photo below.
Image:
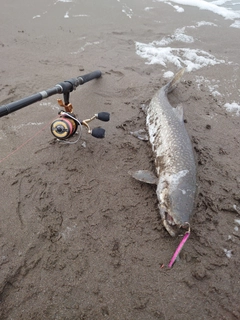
173	83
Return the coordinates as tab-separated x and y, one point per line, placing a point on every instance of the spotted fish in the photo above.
174	160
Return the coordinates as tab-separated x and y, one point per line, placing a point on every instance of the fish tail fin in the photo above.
174	82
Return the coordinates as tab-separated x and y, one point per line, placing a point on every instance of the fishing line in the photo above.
23	144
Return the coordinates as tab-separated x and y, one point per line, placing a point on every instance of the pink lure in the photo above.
179	248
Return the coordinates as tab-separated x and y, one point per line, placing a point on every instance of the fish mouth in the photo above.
172	226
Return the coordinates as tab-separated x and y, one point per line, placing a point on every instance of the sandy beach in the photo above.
80	239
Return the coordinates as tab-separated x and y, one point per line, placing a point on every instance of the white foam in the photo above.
205	23
128	11
220	2
213	91
236	24
148	8
179	35
210	6
233	107
80	15
159	52
178	9
37	16
84	46
212	86
168	74
66	14
193	59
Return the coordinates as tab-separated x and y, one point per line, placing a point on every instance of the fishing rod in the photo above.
67	123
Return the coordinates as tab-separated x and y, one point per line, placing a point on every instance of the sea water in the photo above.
168	50
186	46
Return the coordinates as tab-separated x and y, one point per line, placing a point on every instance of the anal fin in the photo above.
179	112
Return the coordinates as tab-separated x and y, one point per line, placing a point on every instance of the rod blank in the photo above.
63	87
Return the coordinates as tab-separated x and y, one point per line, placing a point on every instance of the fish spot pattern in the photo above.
174	159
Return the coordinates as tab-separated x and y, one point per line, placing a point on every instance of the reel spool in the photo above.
64	127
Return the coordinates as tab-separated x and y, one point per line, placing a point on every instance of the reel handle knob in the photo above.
98	133
103	116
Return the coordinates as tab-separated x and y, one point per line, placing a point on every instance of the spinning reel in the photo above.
66	125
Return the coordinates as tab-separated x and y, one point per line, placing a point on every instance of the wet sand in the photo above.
80	239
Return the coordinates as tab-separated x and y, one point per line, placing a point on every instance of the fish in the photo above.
175	167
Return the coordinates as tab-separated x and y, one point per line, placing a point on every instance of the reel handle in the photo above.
98	133
103	116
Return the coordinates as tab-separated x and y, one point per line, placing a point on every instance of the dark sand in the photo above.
80	239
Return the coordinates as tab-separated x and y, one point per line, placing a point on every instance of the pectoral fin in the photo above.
144	176
140	134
